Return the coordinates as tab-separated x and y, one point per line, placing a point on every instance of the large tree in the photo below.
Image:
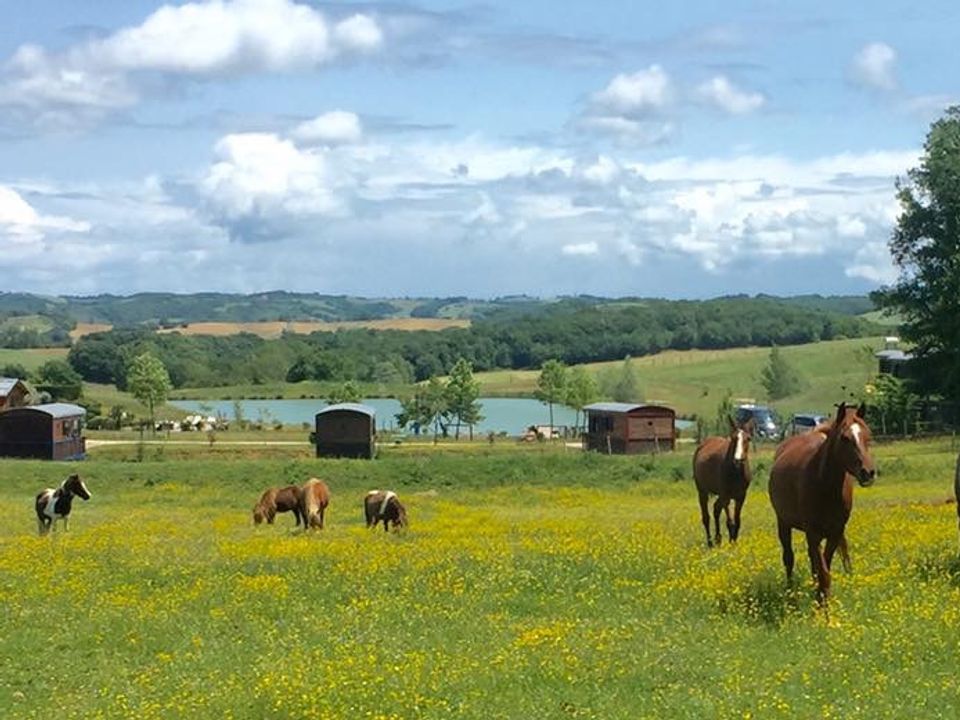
925	246
552	385
582	390
463	392
59	379
779	378
148	382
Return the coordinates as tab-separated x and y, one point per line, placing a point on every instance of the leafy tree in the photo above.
925	246
463	391
428	406
891	401
348	392
13	370
552	385
725	411
582	389
148	382
779	378
61	381
620	384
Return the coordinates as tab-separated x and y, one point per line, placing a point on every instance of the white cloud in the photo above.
722	93
331	128
584	248
19	221
637	94
197	39
872	262
874	66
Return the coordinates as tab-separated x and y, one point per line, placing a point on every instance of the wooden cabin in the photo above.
48	432
346	430
625	428
13	393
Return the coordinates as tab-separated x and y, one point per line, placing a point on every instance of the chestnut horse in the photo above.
811	488
314	498
384	506
56	503
721	467
276	500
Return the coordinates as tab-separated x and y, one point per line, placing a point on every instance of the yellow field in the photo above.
88	329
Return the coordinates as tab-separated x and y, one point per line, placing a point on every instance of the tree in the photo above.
148	382
13	370
552	385
582	390
779	378
61	381
925	247
427	406
621	384
463	391
347	392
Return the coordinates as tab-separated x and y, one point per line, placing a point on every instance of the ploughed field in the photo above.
535	584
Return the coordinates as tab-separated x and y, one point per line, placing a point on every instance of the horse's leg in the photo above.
784	532
65	519
731	526
735	531
717	507
705	516
819	566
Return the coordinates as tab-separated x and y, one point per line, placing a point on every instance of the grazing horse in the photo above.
384	506
277	500
314	498
52	504
721	467
811	489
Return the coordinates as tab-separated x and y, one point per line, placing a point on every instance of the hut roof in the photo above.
893	355
7	385
55	410
352	407
618	407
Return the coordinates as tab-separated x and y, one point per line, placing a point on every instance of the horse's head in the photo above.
76	486
851	436
740	436
258	514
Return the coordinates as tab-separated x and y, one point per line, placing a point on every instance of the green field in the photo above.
695	381
532	583
31	358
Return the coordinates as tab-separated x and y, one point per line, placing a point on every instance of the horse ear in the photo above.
841	414
862	411
733	425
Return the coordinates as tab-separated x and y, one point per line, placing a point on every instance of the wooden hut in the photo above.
13	393
346	430
49	432
625	428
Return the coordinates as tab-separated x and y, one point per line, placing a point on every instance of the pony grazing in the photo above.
721	467
314	498
56	503
384	506
277	500
811	488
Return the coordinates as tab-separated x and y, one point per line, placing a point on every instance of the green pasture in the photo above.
31	358
533	583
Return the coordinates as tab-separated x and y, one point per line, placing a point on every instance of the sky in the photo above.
385	149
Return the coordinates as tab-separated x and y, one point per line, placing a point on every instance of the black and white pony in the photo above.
53	504
384	506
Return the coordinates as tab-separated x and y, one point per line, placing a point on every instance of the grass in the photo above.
694	381
31	358
538	584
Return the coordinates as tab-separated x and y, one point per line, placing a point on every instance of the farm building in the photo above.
13	393
346	430
49	432
625	428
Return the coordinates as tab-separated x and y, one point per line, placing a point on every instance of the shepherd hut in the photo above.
49	432
625	428
346	430
13	393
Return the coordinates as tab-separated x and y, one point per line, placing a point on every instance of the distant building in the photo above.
625	428
893	362
346	430
48	432
13	393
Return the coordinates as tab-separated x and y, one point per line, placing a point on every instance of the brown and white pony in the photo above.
721	467
53	503
314	498
277	500
811	488
384	506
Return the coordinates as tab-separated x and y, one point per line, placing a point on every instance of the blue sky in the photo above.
442	148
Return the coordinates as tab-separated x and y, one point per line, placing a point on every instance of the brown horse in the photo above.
56	503
277	500
314	498
384	506
721	467
811	488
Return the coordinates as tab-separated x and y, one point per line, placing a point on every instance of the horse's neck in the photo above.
830	474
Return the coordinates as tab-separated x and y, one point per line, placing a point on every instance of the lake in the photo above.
510	415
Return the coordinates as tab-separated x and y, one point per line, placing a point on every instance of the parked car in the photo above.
764	420
804	422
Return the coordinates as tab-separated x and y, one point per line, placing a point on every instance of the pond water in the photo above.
510	415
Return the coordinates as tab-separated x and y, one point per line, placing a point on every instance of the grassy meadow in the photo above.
534	582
